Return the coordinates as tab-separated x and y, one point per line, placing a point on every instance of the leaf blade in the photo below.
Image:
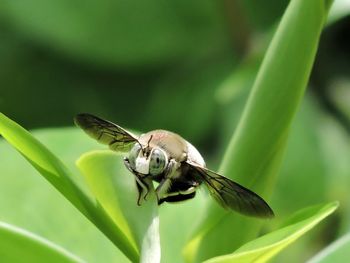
267	246
22	188
114	188
255	152
335	252
33	247
52	169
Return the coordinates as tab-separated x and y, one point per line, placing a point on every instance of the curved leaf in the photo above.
58	175
28	201
339	10
264	248
255	152
114	188
119	33
19	245
338	251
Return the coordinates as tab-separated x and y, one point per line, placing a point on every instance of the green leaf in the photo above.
59	176
177	222
335	146
255	152
119	33
304	165
114	188
197	80
338	251
304	156
339	10
55	219
264	248
239	81
19	245
261	15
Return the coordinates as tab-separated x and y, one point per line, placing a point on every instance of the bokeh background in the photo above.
186	66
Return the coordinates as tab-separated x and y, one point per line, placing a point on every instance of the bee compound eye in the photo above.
133	154
158	161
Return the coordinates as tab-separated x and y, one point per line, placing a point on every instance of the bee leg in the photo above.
165	184
127	164
189	190
177	198
180	190
146	186
141	183
162	188
139	190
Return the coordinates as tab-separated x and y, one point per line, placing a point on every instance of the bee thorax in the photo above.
142	165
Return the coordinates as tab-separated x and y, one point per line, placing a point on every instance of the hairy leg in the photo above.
177	198
141	183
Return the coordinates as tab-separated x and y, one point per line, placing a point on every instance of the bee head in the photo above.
147	160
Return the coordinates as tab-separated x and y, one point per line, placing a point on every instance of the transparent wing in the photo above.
106	132
231	195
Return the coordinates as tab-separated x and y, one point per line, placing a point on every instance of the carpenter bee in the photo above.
174	163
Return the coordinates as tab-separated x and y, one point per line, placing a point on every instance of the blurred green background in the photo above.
185	66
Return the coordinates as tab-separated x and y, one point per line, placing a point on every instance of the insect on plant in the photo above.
174	163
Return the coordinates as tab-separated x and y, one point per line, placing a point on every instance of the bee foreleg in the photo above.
141	183
139	190
142	187
162	188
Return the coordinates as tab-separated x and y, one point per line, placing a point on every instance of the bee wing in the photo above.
106	132
231	195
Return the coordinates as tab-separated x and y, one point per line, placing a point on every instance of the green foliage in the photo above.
264	248
33	248
269	111
339	10
108	33
193	39
116	195
57	174
52	217
335	252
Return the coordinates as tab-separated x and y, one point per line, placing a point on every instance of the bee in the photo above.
174	163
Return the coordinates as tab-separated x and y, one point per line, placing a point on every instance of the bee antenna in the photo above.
142	150
150	138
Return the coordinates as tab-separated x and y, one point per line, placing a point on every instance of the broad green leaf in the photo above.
119	33
19	245
114	188
339	10
264	248
261	14
335	147
191	89
304	165
337	252
55	219
176	224
58	175
255	152
239	81
339	88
